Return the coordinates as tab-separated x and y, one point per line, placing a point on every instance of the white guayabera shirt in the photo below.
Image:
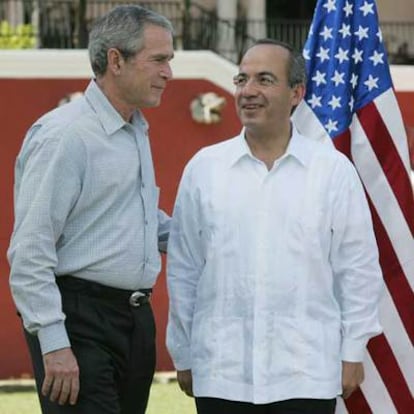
273	276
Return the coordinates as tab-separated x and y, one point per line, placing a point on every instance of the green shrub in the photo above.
19	37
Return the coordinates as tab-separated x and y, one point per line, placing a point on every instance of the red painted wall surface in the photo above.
175	138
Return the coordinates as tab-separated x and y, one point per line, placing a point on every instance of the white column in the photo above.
15	12
227	12
256	16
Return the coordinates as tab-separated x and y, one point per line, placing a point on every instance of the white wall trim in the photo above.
72	63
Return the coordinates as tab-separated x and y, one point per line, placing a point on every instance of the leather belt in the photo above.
134	298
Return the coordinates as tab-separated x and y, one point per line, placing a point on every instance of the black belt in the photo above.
134	298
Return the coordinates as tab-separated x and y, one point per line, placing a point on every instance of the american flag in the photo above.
350	100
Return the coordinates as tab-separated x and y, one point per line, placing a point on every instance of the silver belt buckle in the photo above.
134	299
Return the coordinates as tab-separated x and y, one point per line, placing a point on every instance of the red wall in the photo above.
175	137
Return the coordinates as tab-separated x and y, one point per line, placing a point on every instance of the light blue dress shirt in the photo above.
86	204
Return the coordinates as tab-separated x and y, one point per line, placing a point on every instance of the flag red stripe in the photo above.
342	143
357	403
388	156
389	370
394	276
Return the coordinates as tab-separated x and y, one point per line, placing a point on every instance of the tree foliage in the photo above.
21	36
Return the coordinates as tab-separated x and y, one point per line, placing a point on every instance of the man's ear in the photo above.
298	93
115	61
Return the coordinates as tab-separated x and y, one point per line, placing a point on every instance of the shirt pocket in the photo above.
296	347
218	346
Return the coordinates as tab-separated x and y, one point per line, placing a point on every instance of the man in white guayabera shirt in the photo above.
84	251
273	270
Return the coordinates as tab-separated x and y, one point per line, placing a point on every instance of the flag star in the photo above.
379	35
311	29
357	55
366	8
371	83
348	9
338	78
345	30
306	54
331	126
377	58
342	55
326	33
351	103
315	101
330	5
319	78
362	32
354	80
323	54
335	102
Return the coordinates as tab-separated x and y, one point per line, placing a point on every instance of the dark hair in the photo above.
121	28
296	70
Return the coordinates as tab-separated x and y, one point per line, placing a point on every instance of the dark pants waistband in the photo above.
134	298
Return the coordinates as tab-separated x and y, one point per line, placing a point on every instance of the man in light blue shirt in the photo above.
84	253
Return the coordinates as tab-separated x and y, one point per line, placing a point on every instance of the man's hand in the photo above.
185	381
352	377
61	381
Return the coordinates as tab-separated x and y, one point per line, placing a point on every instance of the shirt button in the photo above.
143	185
146	222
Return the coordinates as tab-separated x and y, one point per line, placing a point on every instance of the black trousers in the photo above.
114	344
294	406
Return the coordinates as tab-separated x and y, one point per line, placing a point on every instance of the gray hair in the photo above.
296	70
121	28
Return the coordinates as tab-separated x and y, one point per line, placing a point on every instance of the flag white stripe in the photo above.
387	105
375	391
393	327
340	406
383	199
398	339
402	241
308	123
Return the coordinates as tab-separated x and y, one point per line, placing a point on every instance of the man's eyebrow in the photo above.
163	56
267	74
243	74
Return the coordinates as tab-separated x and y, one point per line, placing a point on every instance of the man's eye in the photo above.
239	81
266	81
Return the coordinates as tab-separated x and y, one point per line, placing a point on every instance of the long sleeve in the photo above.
354	258
46	188
184	266
164	223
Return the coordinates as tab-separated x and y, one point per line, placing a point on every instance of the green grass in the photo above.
164	399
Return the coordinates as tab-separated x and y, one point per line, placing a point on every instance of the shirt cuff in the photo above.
182	359
53	337
353	350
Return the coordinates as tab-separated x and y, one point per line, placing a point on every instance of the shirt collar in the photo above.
297	148
238	149
109	117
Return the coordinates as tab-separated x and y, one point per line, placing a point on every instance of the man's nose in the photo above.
250	87
166	72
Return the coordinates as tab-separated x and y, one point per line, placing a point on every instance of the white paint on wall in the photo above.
74	64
